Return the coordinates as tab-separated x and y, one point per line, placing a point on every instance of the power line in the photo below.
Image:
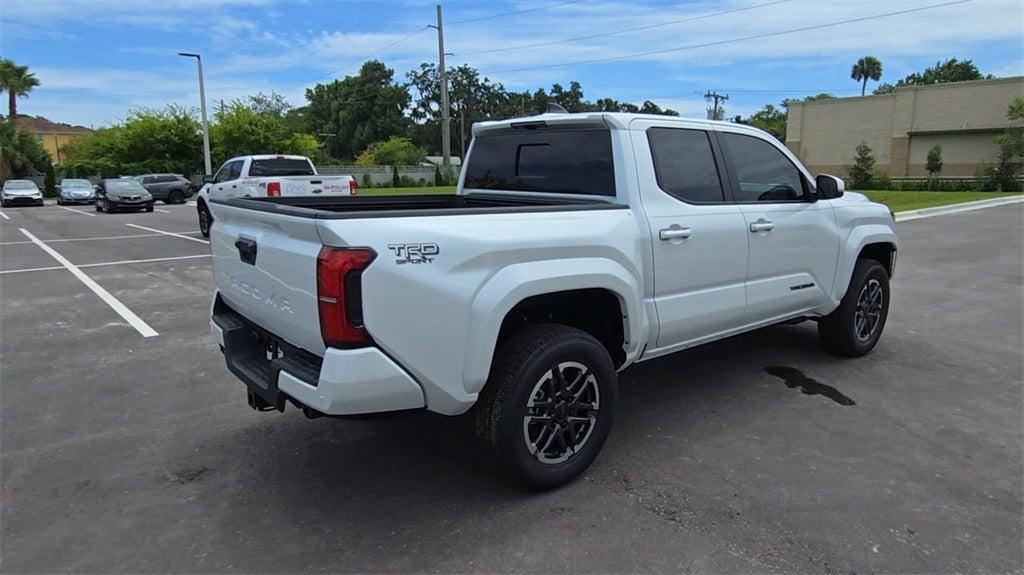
730	41
467	21
623	31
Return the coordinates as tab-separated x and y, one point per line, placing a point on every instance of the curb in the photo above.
956	208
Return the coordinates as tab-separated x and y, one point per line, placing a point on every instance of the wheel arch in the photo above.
527	293
876	242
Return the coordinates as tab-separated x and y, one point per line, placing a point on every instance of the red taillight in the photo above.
274	190
352	187
339	293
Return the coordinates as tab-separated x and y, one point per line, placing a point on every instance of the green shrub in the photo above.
367	181
50	181
396	180
862	170
438	180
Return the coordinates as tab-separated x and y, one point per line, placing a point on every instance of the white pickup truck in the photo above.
267	176
576	245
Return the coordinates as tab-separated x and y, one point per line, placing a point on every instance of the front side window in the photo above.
685	165
235	171
765	174
222	173
551	161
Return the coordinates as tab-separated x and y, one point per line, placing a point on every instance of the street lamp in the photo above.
202	108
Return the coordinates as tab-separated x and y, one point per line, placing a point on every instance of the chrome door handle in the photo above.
675	233
761	225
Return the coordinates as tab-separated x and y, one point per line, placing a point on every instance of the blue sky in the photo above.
98	58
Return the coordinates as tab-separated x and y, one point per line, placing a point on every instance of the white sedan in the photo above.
20	192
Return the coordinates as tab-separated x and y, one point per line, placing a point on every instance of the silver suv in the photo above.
168	188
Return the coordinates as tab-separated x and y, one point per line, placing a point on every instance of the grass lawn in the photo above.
406	191
904	201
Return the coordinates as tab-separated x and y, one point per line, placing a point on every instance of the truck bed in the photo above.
415	205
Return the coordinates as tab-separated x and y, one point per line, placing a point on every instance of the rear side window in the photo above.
685	165
765	174
280	167
553	161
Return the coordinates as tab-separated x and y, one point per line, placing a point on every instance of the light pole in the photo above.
202	108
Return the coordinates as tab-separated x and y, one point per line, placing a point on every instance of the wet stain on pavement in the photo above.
794	378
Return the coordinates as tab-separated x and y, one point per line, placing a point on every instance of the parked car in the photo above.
168	188
116	194
577	245
75	191
20	193
267	176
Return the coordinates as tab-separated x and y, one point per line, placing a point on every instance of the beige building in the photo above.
902	127
52	135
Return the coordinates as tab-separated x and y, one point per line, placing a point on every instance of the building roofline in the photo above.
944	85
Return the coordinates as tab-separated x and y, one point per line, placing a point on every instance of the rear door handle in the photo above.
675	233
761	225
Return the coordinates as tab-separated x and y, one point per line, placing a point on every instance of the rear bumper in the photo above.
343	382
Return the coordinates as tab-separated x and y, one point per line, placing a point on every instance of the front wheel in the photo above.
548	405
204	220
855	326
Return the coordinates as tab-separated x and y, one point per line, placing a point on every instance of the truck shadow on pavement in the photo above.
356	466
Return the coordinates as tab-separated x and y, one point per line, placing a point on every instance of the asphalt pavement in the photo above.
122	452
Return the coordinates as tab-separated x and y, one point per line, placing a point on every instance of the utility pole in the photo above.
202	108
462	133
715	112
446	137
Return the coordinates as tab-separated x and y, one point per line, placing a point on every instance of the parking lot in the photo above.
126	446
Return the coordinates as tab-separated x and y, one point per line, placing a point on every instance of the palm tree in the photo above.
18	81
867	68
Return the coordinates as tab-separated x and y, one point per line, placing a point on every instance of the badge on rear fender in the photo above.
414	253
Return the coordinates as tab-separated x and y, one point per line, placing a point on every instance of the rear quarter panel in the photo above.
440	319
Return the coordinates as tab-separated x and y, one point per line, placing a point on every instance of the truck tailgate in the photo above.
265	268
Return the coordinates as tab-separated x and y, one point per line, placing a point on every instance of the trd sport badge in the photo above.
414	253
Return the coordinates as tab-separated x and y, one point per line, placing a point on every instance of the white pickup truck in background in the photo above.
576	245
267	176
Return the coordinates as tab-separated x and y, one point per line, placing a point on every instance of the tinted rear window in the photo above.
556	161
280	167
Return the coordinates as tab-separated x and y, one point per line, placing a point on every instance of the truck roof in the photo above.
613	120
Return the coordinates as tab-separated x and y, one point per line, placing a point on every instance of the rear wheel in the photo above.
205	219
855	326
175	197
548	405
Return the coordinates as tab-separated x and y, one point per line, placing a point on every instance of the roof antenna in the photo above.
554	108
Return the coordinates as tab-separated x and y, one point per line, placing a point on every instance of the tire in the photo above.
205	219
60	202
99	207
175	197
149	208
520	384
853	329
107	208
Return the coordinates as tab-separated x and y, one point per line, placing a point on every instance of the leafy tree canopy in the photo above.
395	151
951	70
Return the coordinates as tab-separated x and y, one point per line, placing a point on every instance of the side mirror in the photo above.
829	186
207	179
59	188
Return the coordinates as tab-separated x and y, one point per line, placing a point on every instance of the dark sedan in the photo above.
122	194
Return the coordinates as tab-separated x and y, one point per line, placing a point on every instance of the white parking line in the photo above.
99	264
4	216
76	211
177	235
115	304
99	238
161	211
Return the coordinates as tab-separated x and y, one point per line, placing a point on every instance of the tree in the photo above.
951	70
18	82
20	153
771	120
1011	149
272	104
934	161
395	151
361	109
867	68
862	170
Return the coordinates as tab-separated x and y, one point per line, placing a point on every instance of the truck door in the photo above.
794	243
699	238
